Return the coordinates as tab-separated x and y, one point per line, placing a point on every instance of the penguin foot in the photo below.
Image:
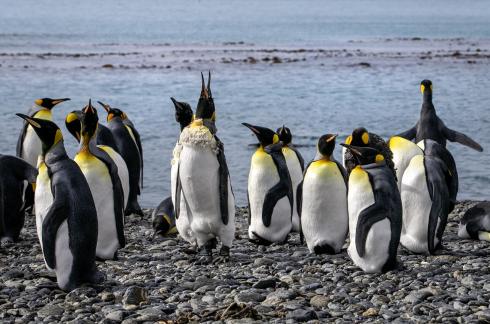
97	277
323	249
224	255
136	211
206	253
191	250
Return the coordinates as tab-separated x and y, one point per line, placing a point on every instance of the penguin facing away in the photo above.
129	147
14	172
324	215
66	218
425	199
163	218
403	152
375	212
270	192
296	166
475	223
205	183
102	176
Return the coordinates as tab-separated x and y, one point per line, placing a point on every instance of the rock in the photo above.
370	312
302	315
319	301
249	297
419	296
79	294
265	283
50	310
278	297
263	261
134	296
117	316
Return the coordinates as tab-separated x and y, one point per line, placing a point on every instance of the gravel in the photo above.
154	280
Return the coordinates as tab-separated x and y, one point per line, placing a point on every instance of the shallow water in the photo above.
153	50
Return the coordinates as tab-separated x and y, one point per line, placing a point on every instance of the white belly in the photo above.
324	216
416	204
403	152
64	257
296	175
31	147
122	170
43	200
263	176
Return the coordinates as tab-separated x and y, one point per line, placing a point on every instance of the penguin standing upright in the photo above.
163	218
205	182
375	212
184	116
475	223
270	192
13	173
296	166
324	216
129	146
66	218
103	179
403	151
426	199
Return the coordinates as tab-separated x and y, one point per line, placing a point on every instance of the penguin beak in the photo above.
252	128
30	120
89	109
106	106
331	138
354	149
57	101
204	91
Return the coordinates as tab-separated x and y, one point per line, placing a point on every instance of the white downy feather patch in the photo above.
199	136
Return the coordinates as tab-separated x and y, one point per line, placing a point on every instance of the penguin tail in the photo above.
323	248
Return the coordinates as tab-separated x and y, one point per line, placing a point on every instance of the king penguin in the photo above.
270	191
375	212
102	176
205	182
475	223
183	116
66	218
14	173
296	166
324	216
129	146
403	151
163	218
426	199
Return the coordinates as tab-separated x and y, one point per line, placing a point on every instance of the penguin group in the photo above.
380	195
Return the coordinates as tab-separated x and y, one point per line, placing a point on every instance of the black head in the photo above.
183	113
49	103
326	144
426	86
73	124
285	135
205	106
90	121
265	135
113	112
365	155
359	137
48	132
160	225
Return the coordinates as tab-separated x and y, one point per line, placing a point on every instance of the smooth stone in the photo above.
302	315
420	295
249	297
50	310
319	301
265	283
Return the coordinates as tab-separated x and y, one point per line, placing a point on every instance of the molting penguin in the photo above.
296	166
103	137
375	212
129	146
270	192
475	223
362	138
324	216
14	172
163	218
66	218
426	199
430	126
184	116
103	179
205	182
403	152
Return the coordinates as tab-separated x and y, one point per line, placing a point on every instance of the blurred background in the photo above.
316	66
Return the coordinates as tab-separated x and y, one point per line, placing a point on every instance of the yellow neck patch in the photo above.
275	139
422	88
58	137
379	158
197	123
348	140
71	117
365	138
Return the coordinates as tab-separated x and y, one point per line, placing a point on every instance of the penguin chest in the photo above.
324	215
31	147
122	169
403	152
43	198
296	174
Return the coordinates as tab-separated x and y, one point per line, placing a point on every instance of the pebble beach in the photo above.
155	280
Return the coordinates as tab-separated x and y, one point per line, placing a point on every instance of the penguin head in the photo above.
89	122
183	113
265	135
205	106
48	132
426	86
49	103
160	225
285	135
73	124
113	113
326	144
365	155
359	137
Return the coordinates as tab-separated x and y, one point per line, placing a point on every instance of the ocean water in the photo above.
316	66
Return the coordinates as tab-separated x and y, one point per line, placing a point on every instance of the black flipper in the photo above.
105	137
367	218
343	172
56	215
472	221
409	134
178	191
223	181
299	205
118	192
281	189
455	136
140	149
249	210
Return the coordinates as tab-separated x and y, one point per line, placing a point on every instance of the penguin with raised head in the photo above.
362	138
103	137
296	166
324	216
163	218
375	212
270	191
426	199
183	116
66	218
204	181
129	146
14	173
475	223
430	126
102	176
403	151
